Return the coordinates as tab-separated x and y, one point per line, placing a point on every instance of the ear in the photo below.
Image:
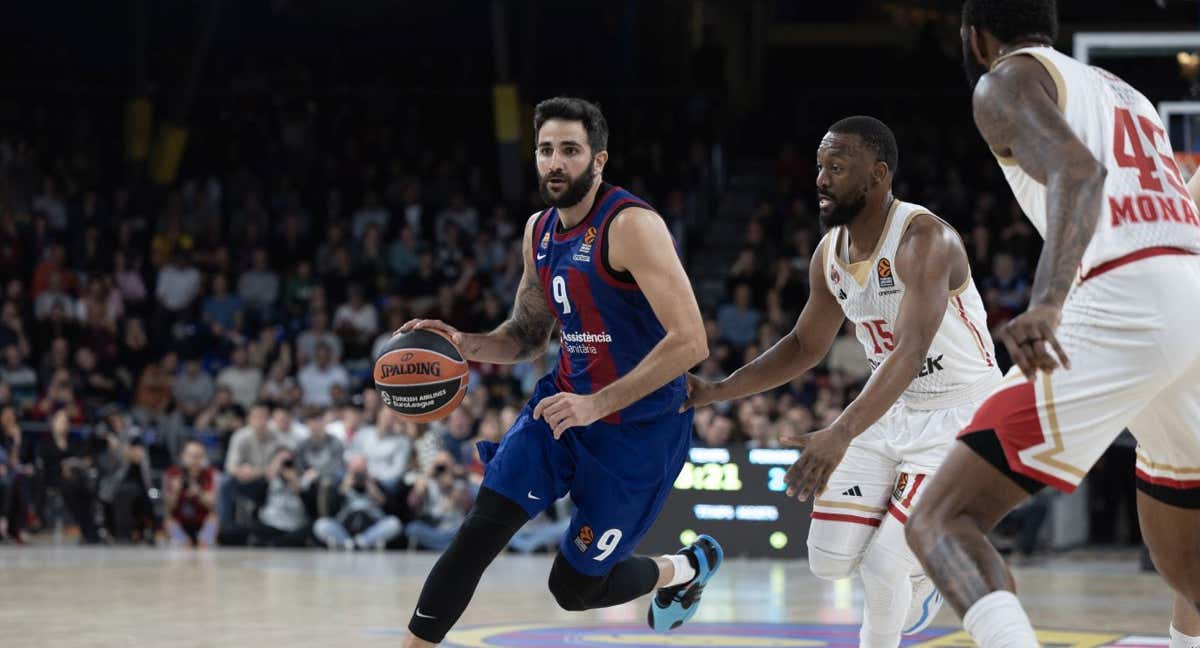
879	172
978	46
599	161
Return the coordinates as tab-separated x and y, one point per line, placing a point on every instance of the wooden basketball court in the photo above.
68	597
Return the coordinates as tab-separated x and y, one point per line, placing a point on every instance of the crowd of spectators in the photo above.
192	363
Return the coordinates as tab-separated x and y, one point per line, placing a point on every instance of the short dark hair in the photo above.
574	109
875	135
1013	20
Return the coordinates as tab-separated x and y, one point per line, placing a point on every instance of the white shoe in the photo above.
926	601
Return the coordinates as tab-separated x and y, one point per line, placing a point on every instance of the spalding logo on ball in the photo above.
421	375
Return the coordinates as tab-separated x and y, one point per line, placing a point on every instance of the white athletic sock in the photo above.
998	621
887	593
684	571
1180	640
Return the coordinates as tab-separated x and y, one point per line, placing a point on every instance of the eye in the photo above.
571	150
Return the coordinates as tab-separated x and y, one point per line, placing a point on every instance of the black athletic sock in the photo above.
631	578
451	583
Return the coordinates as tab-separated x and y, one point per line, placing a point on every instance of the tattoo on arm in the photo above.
531	321
1067	237
1015	113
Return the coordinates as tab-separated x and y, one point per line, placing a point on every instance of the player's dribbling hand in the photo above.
565	410
1029	337
700	392
822	452
438	325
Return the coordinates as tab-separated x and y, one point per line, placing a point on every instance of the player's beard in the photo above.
844	211
577	188
972	68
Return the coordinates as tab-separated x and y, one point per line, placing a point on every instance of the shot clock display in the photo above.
737	495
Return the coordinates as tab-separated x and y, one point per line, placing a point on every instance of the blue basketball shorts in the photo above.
618	475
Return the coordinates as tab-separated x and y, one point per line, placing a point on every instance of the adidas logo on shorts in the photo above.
853	491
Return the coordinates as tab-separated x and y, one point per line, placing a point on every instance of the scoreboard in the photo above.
736	495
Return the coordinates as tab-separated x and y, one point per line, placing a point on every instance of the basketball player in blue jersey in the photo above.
605	425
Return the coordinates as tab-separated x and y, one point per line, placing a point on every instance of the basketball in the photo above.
421	375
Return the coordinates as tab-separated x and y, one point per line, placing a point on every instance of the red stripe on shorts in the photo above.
839	517
897	513
916	484
1177	484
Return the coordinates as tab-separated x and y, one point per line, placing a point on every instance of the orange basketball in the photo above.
421	375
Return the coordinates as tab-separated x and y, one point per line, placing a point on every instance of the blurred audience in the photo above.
242	306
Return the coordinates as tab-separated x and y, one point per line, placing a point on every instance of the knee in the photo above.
391	525
572	590
323	526
828	565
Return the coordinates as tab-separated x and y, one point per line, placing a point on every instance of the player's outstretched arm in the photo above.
1017	112
794	354
523	335
640	243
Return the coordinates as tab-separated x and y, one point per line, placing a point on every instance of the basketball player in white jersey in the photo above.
900	274
1110	337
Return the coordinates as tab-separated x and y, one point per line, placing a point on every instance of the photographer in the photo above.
361	515
445	500
282	521
190	498
125	479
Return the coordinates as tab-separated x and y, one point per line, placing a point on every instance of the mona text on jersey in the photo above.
1149	208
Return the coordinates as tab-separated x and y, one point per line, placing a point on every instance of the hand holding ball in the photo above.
421	375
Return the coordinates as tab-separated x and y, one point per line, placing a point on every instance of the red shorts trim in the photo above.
1013	414
897	513
1173	492
1167	481
853	519
1143	253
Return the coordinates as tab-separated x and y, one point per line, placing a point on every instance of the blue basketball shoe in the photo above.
672	606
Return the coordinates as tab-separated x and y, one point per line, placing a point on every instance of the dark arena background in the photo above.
213	214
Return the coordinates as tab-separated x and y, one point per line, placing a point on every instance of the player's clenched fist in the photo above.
822	452
565	410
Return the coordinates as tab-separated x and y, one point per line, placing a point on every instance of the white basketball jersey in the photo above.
960	367
1146	203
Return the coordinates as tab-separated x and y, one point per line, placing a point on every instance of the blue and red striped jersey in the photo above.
606	325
